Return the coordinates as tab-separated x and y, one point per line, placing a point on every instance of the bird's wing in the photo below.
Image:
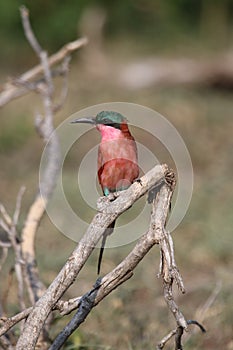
100	164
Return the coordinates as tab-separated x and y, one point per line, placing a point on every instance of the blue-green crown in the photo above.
110	118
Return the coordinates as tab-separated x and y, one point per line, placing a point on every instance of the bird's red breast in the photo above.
117	158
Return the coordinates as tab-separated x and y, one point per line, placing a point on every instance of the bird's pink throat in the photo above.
109	133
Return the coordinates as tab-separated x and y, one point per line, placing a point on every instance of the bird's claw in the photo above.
112	196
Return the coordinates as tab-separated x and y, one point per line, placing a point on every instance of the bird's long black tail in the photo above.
107	233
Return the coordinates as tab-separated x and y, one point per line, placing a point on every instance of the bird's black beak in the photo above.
89	120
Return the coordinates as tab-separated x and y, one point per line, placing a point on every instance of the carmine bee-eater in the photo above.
117	157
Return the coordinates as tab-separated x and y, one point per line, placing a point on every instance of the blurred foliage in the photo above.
57	22
15	135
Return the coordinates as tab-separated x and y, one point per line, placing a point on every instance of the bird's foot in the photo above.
112	196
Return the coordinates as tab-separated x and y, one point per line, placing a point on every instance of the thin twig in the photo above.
197	324
178	337
28	30
4	255
12	234
9	225
36	86
168	268
5	294
5	244
64	90
18	205
165	339
202	310
178	332
8	323
5	216
63	306
67	306
10	91
4	226
45	129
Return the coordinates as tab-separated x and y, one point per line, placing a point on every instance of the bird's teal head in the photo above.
108	118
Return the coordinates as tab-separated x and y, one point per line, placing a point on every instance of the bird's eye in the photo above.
107	121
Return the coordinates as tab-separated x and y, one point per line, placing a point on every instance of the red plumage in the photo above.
117	158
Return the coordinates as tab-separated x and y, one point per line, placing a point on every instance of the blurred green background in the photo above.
135	316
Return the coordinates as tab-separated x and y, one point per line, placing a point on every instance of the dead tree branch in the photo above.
124	270
45	129
63	306
159	176
109	212
178	333
12	91
8	323
164	341
9	226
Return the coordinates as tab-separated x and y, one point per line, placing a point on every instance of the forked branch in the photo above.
109	212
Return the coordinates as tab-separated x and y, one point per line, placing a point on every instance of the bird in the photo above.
117	158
